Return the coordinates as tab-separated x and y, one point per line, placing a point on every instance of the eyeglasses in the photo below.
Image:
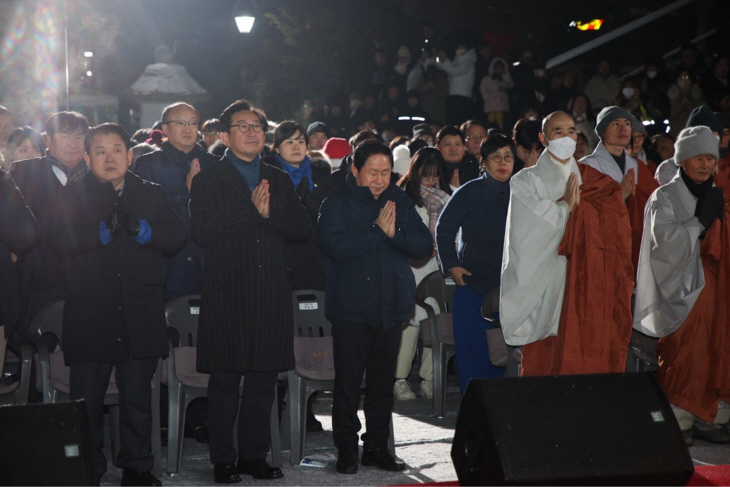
476	137
245	127
430	178
496	158
182	123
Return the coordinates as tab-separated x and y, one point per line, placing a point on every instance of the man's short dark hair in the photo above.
361	137
469	123
449	130
241	106
107	129
370	148
211	126
68	122
287	129
526	133
166	111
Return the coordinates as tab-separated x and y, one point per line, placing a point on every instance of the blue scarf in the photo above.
249	170
297	173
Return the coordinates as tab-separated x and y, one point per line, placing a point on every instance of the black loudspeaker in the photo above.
46	444
600	429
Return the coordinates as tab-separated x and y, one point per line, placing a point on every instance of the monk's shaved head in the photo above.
553	118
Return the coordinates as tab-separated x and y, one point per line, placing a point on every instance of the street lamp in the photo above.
244	23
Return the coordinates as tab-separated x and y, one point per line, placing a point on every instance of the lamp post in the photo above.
244	23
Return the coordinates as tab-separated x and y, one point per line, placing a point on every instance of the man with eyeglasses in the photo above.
474	133
242	211
567	279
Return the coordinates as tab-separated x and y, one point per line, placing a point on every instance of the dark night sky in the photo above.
326	46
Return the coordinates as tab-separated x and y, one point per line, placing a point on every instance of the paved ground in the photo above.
422	441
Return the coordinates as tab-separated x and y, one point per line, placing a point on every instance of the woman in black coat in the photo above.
304	260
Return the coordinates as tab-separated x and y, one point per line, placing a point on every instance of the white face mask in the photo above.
628	92
562	148
651	74
460	51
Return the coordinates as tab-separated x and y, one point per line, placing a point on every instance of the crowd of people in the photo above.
565	204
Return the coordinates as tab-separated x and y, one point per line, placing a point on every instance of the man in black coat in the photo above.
241	213
461	166
368	231
41	181
18	233
173	167
112	233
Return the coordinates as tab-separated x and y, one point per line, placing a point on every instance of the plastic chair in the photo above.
184	383
53	378
440	331
313	333
17	368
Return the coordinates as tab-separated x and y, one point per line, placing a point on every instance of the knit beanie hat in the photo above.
636	125
315	127
695	141
401	159
608	115
336	148
702	115
421	129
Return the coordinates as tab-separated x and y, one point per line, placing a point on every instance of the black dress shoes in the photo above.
347	461
259	469
710	432
225	473
131	476
381	458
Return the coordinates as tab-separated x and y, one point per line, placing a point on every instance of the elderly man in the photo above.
42	180
682	284
368	231
566	271
112	231
614	128
173	167
241	213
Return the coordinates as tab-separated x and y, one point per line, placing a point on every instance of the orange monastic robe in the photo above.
595	321
645	186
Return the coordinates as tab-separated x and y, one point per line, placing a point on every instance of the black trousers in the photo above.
360	348
254	435
89	381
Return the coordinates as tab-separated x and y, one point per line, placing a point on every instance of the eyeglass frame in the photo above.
183	123
493	158
240	125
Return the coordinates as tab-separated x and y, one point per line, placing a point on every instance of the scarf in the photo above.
77	173
297	173
698	190
249	170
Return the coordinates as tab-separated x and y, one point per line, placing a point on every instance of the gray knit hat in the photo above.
636	125
695	141
608	115
702	115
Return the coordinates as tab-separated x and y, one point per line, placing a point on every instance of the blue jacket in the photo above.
169	168
369	279
479	209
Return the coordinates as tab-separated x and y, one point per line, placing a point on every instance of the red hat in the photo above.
336	148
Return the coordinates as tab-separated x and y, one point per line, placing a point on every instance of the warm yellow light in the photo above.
594	24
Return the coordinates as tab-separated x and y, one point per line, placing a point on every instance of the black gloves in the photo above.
116	220
131	224
712	206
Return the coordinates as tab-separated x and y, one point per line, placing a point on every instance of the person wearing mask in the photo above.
555	302
477	213
679	285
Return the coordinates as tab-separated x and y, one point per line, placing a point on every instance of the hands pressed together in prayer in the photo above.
572	192
194	169
260	198
386	219
628	185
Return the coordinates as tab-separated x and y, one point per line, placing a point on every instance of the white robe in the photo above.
602	161
666	171
533	274
670	276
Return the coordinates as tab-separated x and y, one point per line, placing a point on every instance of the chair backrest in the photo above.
182	316
490	307
437	287
309	318
48	321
